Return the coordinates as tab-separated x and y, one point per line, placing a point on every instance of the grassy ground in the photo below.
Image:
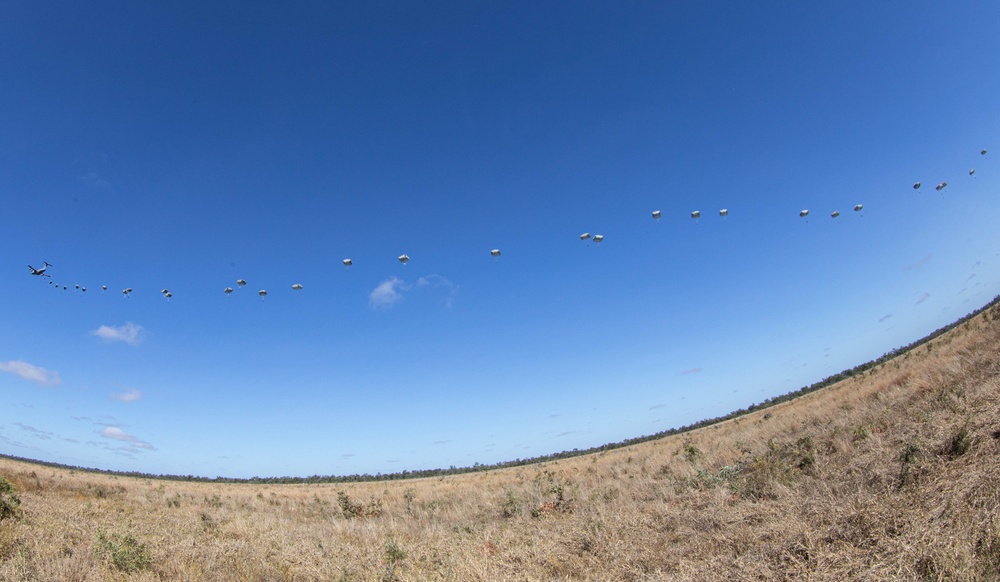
892	475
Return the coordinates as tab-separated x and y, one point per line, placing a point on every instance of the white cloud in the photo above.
32	373
388	293
130	395
113	432
129	333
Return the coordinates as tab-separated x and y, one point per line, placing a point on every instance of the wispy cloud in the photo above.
690	371
655	406
115	433
884	317
32	373
129	333
920	263
387	294
38	433
441	442
95	179
923	297
130	395
438	281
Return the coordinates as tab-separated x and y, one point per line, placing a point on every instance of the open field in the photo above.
894	474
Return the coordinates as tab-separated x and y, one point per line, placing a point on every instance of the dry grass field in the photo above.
894	475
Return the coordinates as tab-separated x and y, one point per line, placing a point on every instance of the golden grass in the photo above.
891	475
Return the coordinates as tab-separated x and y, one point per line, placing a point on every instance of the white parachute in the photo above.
262	293
227	291
835	214
297	287
916	185
858	207
941	186
803	213
241	282
724	212
598	238
495	253
347	263
404	259
585	236
657	214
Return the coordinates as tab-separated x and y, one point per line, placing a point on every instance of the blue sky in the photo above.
184	147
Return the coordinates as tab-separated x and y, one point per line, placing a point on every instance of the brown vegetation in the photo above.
892	474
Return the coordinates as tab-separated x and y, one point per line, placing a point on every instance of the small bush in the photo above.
352	509
511	506
960	443
10	503
394	554
123	551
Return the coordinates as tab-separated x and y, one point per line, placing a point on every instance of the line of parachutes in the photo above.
403	259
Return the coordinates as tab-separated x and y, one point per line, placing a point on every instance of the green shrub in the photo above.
123	551
9	502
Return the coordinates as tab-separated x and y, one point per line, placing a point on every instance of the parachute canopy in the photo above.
804	213
724	212
495	252
982	153
262	293
585	236
835	214
858	207
241	282
297	287
972	171
941	186
348	262
598	238
916	185
404	259
227	290
657	214
696	214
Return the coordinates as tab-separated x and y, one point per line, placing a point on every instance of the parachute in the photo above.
972	171
598	238
262	293
804	214
835	214
84	289
982	153
941	186
696	215
657	214
404	259
227	291
168	295
164	291
104	288
585	236
241	282
916	185
347	263
495	252
724	212
858	207
297	287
